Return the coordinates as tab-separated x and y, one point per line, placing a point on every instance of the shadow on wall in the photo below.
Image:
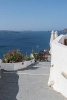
8	86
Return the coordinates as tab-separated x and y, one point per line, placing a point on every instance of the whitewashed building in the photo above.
58	70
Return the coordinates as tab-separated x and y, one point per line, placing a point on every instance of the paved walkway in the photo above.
28	84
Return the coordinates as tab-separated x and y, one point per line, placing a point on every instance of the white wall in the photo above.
62	38
16	66
59	63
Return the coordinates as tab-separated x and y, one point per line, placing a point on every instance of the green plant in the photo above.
36	56
13	56
28	58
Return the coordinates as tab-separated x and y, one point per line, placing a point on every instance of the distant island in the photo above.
11	31
8	31
64	30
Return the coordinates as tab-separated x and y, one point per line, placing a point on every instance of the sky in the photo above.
34	15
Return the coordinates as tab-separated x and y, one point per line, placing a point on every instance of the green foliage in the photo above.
13	56
27	58
36	56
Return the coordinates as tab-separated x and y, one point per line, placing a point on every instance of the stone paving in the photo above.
28	84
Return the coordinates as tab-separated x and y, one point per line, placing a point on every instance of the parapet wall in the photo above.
58	70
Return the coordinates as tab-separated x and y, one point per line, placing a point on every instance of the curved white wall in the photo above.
59	65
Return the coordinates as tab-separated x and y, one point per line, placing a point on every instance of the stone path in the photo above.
28	84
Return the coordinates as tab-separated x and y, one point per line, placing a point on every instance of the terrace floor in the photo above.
28	84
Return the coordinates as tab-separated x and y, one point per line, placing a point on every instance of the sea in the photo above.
25	41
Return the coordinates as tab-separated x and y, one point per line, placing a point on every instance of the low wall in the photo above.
58	66
16	66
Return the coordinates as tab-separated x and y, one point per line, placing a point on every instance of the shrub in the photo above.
13	56
27	58
36	56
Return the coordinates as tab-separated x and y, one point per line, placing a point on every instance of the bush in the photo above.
36	56
13	56
27	58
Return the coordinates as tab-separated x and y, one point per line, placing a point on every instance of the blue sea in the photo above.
25	41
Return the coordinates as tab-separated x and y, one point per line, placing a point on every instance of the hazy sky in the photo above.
33	14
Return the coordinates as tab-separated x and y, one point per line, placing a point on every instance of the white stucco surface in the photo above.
16	66
58	65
